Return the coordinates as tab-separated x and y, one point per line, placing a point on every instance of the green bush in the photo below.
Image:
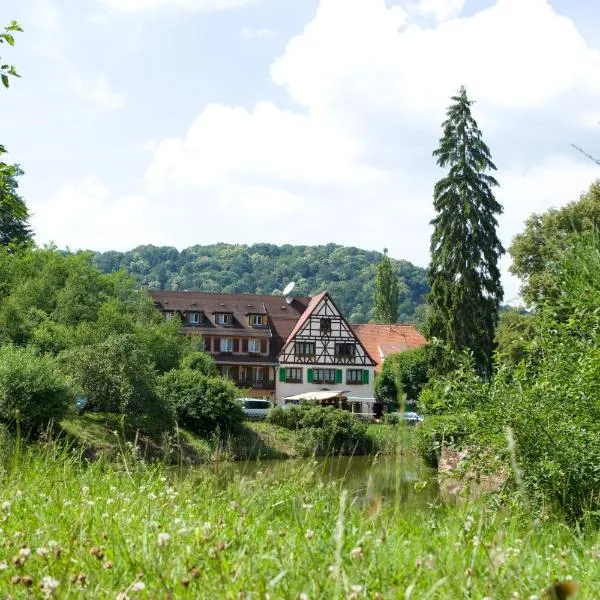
324	429
437	431
33	385
204	405
116	375
391	418
200	361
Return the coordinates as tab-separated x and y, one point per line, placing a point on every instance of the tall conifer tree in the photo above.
465	281
386	291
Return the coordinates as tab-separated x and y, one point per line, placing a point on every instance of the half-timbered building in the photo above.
322	353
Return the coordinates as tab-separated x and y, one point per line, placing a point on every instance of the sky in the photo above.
182	122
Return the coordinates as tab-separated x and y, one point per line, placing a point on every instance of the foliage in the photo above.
33	391
386	292
539	249
214	533
385	384
7	37
325	430
550	401
204	405
412	371
461	391
464	277
200	361
348	274
438	431
115	375
14	227
516	336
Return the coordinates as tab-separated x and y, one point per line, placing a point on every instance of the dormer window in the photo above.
193	318
223	318
258	320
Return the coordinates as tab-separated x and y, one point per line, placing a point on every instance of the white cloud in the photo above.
97	90
83	215
132	6
250	33
440	10
350	160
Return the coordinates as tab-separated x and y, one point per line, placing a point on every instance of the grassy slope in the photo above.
97	530
101	434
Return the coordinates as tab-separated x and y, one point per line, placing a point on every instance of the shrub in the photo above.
32	384
204	405
116	375
438	431
391	418
200	361
324	429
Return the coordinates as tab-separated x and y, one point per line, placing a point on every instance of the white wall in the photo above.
291	389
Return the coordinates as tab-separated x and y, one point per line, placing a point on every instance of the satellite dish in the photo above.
287	292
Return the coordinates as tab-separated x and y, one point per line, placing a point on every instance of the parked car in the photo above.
410	418
255	408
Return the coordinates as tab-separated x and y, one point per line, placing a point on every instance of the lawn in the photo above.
126	529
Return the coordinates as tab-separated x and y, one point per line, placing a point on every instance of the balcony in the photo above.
256	384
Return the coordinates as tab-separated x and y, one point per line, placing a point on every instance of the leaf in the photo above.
9	38
5	81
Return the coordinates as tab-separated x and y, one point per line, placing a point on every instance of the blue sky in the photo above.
176	122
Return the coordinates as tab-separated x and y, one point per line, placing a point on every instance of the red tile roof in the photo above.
383	340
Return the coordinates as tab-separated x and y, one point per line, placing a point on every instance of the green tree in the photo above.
33	385
537	252
202	404
14	216
464	276
7	37
386	291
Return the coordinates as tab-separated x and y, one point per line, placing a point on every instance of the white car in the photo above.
255	408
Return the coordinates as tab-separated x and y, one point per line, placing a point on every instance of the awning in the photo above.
320	395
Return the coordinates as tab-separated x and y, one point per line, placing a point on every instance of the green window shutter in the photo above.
282	374
309	375
338	376
365	376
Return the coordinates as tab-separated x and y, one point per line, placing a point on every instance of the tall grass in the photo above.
74	529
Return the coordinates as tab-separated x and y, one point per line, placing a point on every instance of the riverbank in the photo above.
95	530
99	435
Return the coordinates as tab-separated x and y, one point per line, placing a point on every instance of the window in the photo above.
305	348
227	372
324	376
168	315
258	320
258	374
254	346
325	325
345	350
223	319
293	375
226	345
193	318
354	376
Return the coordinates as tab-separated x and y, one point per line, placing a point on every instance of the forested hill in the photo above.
346	273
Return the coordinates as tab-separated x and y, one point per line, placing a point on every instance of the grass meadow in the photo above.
70	528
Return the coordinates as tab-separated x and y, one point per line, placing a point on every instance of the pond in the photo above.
399	478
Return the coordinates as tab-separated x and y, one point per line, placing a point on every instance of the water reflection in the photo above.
399	478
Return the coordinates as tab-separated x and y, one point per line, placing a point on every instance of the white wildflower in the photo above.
163	539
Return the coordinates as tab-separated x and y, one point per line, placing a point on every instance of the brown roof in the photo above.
383	340
282	316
